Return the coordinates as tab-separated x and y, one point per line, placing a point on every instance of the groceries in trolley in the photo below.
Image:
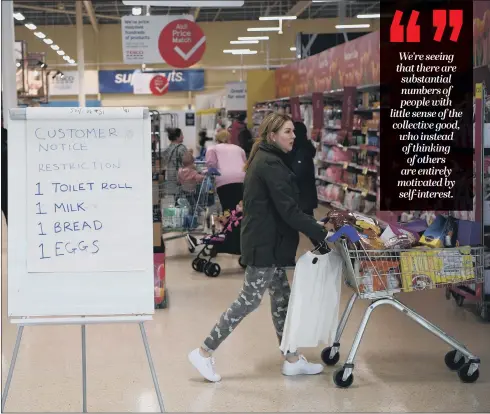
410	256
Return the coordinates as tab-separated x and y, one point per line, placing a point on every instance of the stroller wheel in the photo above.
244	266
198	264
212	269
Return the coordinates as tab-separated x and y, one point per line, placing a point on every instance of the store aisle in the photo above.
400	367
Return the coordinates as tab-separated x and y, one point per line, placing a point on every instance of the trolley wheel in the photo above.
198	264
330	361
212	269
463	374
244	266
339	381
484	311
459	300
451	364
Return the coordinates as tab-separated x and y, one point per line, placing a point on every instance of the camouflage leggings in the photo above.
257	280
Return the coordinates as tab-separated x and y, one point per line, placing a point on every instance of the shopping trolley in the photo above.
378	275
187	211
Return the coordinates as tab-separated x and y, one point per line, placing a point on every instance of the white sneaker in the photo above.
204	365
301	367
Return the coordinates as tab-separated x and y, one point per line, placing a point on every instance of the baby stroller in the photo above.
225	241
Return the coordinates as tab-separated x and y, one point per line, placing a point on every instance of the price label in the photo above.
479	91
364	171
364	193
364	130
345	149
345	187
346	164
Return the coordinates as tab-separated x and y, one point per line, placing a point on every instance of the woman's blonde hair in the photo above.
223	136
271	123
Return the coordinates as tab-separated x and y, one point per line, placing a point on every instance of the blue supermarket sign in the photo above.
121	81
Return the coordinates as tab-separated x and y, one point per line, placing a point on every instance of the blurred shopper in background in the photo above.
302	157
172	160
246	140
229	160
236	127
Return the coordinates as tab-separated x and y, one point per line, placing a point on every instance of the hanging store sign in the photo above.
69	83
182	43
317	104
295	109
236	96
176	40
348	107
137	82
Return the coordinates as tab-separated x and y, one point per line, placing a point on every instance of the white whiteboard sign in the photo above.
84	194
80	236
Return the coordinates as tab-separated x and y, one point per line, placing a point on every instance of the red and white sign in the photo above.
182	43
140	36
159	85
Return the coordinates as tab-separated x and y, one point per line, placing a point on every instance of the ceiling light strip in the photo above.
19	16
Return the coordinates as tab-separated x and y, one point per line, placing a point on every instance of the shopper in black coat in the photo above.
302	157
245	140
270	236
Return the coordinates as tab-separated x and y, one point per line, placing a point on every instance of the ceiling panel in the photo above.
63	12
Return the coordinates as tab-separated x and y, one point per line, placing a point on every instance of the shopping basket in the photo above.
378	275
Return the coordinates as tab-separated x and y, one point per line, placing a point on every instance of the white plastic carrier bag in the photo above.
313	310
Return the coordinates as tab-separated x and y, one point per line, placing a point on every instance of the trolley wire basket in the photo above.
187	209
378	275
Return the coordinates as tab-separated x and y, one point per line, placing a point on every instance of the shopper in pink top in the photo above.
229	160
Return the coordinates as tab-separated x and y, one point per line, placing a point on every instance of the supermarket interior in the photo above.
199	95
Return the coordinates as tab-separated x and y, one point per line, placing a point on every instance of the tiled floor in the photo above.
400	367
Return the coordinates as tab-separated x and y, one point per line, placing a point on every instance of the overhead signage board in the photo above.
137	82
69	83
236	96
173	39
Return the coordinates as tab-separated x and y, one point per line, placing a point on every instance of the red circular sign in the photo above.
159	85
182	43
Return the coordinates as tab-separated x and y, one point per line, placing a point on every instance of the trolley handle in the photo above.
213	171
345	231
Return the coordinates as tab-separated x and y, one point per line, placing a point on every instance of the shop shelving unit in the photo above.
359	174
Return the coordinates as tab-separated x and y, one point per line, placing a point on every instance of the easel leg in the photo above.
152	367
12	366
84	371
